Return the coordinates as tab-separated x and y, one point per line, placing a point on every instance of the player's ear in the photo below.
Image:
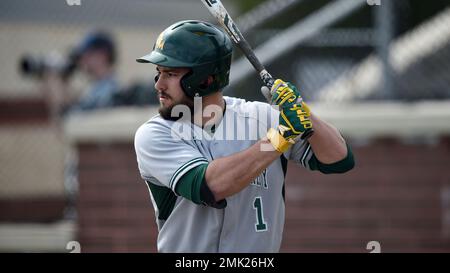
210	80
207	82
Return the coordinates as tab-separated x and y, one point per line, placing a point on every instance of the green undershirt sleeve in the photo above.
192	186
341	166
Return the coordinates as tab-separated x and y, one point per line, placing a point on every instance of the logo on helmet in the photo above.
160	42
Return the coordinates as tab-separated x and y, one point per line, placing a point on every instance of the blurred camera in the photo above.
65	65
38	66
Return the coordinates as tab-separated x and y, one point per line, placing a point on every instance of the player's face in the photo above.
169	90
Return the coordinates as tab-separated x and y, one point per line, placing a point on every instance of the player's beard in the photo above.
166	111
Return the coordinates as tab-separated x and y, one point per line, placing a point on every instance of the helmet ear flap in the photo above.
193	85
188	89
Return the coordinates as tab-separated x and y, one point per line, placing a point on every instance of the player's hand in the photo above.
284	94
281	93
294	121
295	115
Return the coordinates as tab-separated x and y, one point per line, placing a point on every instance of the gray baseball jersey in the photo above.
253	219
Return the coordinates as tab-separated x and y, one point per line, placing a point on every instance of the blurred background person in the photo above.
96	57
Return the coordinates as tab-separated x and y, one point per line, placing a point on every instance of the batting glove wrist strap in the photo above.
278	141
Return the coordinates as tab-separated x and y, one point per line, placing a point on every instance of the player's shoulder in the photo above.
242	106
153	127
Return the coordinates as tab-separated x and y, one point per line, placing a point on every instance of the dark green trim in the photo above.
164	198
341	166
284	164
184	167
190	183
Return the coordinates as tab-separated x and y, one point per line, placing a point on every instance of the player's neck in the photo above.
214	105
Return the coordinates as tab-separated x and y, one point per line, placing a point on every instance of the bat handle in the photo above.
267	78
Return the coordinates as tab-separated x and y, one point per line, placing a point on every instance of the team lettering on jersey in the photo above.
261	180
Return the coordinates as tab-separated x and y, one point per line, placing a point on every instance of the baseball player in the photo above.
217	185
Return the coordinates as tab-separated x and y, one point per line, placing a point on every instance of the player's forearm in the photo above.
227	176
326	142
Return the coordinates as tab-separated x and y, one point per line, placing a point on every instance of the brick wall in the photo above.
393	196
398	195
114	207
23	111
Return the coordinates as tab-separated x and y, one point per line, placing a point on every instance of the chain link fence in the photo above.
393	51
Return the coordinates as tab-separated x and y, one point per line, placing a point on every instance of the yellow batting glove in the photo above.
295	116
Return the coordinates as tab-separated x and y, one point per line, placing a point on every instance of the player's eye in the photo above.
157	75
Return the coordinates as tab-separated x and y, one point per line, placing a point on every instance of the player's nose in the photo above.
160	84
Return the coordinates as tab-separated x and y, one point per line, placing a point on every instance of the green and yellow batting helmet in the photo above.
197	45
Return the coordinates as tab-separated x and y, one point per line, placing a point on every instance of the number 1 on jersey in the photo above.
258	206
